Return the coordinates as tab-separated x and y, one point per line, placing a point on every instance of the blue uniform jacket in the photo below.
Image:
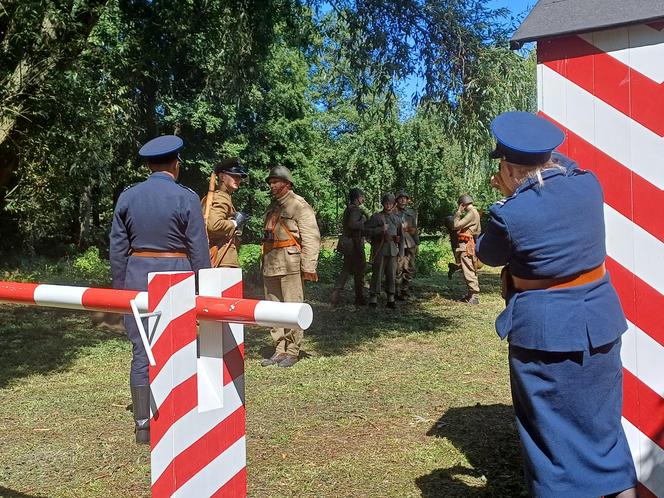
556	230
156	215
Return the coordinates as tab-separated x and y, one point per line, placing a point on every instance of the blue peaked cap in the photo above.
161	147
524	138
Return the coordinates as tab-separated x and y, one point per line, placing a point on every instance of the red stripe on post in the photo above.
619	85
161	284
180	401
632	291
644	492
235	487
625	191
233	291
197	456
170	343
233	364
18	292
643	407
109	300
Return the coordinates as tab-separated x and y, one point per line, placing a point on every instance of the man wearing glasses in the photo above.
157	226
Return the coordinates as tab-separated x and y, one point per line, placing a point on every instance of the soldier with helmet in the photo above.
466	224
291	243
157	226
224	224
385	231
406	261
351	246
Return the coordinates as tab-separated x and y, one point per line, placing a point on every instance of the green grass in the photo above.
413	402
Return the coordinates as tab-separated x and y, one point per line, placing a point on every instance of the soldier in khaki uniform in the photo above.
466	223
406	262
291	243
384	228
351	246
224	224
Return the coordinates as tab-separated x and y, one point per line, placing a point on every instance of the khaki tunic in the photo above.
470	224
283	266
384	251
221	229
298	216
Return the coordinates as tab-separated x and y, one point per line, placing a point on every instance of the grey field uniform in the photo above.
351	246
406	262
384	252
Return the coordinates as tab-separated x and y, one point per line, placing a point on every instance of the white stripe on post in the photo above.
639	47
217	473
610	131
643	357
189	429
648	457
634	248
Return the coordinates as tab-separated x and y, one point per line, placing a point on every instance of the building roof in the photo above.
558	17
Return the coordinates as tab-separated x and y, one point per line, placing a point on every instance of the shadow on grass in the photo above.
10	493
486	435
337	330
38	341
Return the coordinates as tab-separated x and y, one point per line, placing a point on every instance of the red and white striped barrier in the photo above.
246	311
197	426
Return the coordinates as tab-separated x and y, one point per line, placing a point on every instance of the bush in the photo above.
90	269
250	262
433	257
329	265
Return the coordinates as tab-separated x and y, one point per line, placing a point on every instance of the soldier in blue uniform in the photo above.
157	226
562	318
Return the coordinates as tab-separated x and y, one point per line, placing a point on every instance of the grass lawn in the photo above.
413	402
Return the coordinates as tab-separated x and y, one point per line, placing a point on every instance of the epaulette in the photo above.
129	186
187	188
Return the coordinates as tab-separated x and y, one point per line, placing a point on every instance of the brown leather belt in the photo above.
524	284
159	254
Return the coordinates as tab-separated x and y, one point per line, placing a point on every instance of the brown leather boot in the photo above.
273	360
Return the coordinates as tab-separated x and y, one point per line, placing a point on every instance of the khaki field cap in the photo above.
281	172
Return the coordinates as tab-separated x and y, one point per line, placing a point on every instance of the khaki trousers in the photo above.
405	270
469	273
285	289
384	265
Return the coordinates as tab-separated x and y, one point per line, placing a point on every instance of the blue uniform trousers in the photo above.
137	279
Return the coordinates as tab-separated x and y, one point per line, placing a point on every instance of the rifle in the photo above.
208	199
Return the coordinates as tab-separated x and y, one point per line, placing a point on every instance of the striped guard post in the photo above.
606	91
198	421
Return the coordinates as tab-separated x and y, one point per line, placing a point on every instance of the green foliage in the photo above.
329	265
308	84
433	257
250	262
91	268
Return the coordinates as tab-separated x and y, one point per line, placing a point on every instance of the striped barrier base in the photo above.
198	417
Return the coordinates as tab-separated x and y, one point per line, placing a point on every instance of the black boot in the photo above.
140	402
451	269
